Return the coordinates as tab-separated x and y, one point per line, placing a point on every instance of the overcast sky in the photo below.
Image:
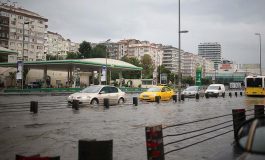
232	23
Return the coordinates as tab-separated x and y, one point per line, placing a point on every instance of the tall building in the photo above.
211	51
170	58
13	19
57	45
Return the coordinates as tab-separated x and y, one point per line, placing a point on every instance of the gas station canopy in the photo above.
83	64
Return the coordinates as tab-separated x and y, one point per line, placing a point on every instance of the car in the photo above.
215	90
95	95
191	91
34	85
163	92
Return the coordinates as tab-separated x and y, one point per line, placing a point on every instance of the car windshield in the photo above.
213	87
154	89
91	89
192	88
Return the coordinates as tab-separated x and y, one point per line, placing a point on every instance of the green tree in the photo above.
85	50
50	57
188	80
99	51
72	55
148	67
131	74
206	81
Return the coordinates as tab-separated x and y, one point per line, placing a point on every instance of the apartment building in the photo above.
211	51
112	49
192	61
57	45
13	20
170	58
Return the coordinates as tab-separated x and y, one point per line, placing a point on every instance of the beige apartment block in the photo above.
34	29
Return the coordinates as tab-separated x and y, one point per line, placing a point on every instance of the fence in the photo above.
157	135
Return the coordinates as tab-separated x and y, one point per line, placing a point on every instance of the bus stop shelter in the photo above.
83	65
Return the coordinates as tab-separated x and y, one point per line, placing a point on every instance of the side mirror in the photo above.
250	136
102	92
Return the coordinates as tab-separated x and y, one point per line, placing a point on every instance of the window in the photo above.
20	17
113	90
12	43
105	90
19	45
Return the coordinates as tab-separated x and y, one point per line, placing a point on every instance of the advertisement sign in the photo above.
19	70
163	78
103	74
198	81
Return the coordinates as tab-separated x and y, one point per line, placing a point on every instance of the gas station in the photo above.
72	67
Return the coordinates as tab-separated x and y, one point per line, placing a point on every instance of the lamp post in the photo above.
23	37
107	41
260	71
179	62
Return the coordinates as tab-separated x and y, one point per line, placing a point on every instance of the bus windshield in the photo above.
254	82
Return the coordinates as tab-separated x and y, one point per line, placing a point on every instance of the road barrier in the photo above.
174	98
239	116
230	94
259	111
197	96
34	106
95	150
182	98
106	102
157	99
135	101
75	104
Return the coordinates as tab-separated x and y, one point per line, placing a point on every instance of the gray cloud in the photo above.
232	23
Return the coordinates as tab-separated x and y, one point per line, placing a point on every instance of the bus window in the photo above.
254	82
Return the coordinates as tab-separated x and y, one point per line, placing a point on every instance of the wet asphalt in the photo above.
56	128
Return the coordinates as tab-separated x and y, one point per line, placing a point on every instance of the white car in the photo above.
96	94
215	90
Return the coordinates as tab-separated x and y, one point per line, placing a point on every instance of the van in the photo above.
215	90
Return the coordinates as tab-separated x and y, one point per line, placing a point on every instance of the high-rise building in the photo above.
170	58
211	51
12	21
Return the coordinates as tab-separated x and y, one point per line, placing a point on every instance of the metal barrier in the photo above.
155	144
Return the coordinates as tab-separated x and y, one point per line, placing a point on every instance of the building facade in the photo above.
170	58
56	45
211	51
13	20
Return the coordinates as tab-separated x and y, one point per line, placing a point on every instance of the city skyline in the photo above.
232	24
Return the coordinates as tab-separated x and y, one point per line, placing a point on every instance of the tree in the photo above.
85	50
99	51
188	80
131	74
50	57
72	55
148	66
206	81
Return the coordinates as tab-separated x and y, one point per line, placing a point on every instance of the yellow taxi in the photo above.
163	92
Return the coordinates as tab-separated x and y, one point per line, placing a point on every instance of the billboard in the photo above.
103	74
19	70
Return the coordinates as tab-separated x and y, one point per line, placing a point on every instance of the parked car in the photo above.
215	90
191	91
163	92
34	85
96	94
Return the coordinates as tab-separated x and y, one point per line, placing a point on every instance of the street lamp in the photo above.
107	41
23	37
258	34
179	69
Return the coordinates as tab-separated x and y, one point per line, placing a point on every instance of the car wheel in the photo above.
121	101
94	102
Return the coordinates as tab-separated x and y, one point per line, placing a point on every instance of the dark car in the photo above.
34	85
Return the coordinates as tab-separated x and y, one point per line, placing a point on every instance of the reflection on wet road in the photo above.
57	131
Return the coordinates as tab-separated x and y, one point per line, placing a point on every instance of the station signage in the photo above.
19	70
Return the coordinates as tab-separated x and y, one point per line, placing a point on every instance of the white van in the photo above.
215	90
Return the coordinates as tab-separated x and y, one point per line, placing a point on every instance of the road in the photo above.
56	129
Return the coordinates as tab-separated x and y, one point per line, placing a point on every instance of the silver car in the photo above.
96	94
192	91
